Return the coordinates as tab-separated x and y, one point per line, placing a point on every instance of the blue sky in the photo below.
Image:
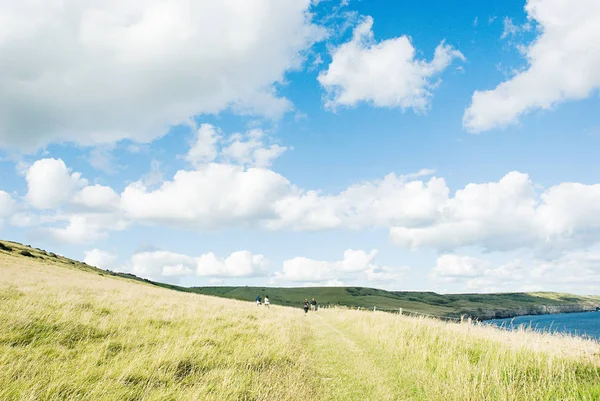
409	146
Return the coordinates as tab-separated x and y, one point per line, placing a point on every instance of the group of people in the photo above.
312	304
259	300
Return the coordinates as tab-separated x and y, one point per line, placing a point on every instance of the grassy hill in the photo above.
72	332
483	306
480	306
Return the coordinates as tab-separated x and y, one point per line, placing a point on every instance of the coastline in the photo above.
541	310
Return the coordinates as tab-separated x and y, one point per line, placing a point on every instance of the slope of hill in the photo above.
481	306
50	258
68	331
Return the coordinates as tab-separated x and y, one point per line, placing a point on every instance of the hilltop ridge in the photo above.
479	306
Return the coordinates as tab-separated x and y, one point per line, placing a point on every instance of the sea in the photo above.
586	324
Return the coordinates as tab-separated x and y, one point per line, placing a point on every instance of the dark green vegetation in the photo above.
480	306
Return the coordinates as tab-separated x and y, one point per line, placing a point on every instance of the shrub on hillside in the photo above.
5	247
26	253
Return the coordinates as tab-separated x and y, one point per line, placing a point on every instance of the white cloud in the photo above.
248	149
154	176
159	264
573	271
238	264
508	214
100	259
385	74
510	29
452	266
308	270
50	183
24	219
82	228
562	65
81	213
395	200
7	205
130	69
97	197
213	196
204	150
355	264
420	212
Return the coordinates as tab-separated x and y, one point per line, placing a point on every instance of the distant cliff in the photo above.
478	306
487	314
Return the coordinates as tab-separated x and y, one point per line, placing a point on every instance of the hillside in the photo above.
49	258
73	332
481	306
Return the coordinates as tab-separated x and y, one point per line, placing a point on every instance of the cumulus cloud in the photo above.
204	149
238	264
100	259
215	195
509	214
452	266
7	205
50	183
394	200
97	197
82	213
250	150
576	271
384	74
418	209
130	69
158	264
355	264
82	228
562	65
244	149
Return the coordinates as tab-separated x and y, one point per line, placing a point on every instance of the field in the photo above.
68	331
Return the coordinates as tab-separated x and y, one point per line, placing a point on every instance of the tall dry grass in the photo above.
67	334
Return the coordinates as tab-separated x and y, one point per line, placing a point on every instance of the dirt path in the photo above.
347	371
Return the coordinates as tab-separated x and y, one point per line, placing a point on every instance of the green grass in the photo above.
71	332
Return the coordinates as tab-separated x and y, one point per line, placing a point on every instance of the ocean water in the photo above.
585	324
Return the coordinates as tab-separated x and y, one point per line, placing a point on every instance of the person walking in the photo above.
267	302
258	300
306	306
313	305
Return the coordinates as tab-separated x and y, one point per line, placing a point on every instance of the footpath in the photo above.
347	371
